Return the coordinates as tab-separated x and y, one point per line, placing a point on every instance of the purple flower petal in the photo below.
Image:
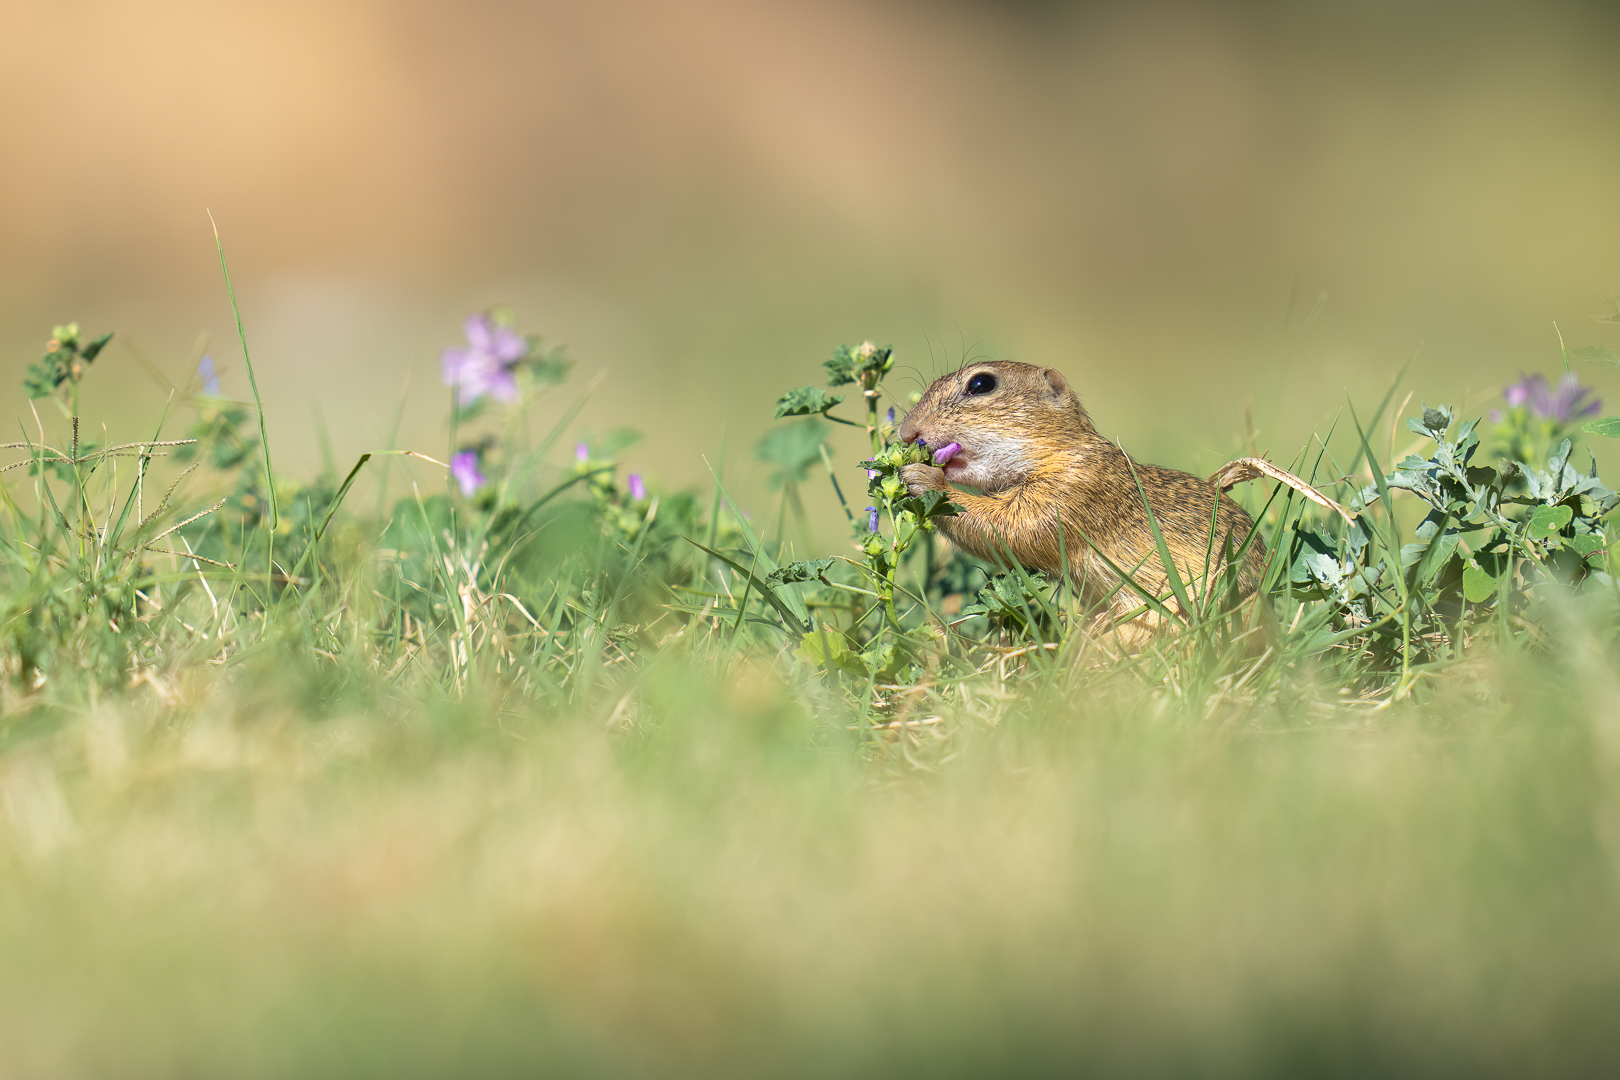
946	452
1569	402
872	520
508	346
1518	393
1565	403
582	453
1540	398
210	377
475	374
638	489
502	385
486	365
460	369
455	364
476	327
464	467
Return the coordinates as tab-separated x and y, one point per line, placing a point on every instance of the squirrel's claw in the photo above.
921	478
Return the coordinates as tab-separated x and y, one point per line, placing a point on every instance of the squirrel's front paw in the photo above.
921	478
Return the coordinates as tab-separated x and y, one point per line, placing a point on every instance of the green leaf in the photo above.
42	377
1596	354
849	364
1548	521
1477	584
1433	423
795	572
546	368
1013	597
92	350
841	368
1605	425
793	448
806	401
1428	559
827	648
930	504
1589	545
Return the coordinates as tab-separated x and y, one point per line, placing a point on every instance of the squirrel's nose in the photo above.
908	432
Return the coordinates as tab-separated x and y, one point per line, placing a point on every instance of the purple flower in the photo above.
1569	400
638	490
871	521
486	365
946	452
871	474
582	453
891	416
209	377
464	467
1565	404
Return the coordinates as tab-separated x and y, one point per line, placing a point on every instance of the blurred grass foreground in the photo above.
232	881
516	765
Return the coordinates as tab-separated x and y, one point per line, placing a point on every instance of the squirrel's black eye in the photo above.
982	383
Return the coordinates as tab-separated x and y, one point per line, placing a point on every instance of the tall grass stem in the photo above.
258	403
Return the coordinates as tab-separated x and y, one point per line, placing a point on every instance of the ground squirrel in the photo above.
1053	488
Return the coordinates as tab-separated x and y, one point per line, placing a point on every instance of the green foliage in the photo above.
1018	603
864	364
806	401
67	358
556	574
1492	539
1596	354
792	450
803	570
220	435
869	626
632	738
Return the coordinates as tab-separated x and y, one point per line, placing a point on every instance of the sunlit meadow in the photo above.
486	632
509	761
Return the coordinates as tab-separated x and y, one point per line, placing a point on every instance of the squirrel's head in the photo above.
1007	418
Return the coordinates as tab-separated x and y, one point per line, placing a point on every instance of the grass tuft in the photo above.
552	769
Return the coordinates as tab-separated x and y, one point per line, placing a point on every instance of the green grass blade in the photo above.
253	382
1128	581
798	625
140	476
1177	587
337	501
1378	415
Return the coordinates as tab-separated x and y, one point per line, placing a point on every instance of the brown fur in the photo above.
1053	488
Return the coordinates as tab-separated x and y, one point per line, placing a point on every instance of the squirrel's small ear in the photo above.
1056	383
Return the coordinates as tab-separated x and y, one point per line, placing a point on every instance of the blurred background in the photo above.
701	199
